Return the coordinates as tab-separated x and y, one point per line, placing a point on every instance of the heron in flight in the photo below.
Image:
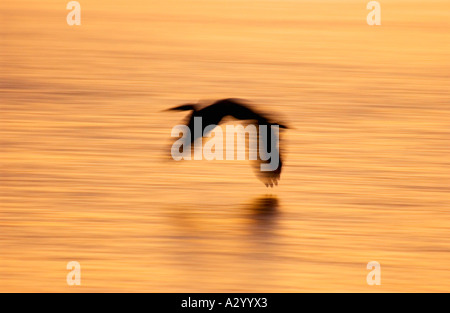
215	113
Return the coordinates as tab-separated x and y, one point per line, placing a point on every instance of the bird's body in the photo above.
216	112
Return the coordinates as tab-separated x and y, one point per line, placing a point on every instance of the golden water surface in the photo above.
84	173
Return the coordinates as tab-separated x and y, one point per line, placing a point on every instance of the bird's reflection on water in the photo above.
263	212
213	236
265	207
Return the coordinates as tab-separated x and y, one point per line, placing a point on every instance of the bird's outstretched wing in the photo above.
236	108
184	107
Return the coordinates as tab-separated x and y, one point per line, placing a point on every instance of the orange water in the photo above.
83	146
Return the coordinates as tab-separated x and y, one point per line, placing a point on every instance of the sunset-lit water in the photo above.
84	173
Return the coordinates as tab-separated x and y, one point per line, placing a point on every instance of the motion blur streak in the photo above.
84	174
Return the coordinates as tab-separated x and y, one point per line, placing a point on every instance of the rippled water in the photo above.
84	168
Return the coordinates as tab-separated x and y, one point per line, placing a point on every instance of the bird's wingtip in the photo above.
184	107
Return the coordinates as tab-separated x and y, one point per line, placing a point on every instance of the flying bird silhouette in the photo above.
215	113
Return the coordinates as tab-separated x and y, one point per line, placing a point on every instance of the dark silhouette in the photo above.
264	206
216	112
263	213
